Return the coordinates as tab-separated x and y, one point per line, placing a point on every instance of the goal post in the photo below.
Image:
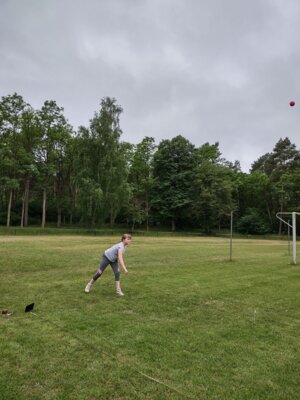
293	226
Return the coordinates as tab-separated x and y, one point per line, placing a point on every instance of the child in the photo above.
112	256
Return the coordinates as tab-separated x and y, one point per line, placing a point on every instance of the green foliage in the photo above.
289	185
49	173
252	223
173	171
103	160
16	161
141	180
256	190
89	199
213	188
284	157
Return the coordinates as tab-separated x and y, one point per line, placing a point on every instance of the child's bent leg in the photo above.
103	264
115	267
97	275
116	270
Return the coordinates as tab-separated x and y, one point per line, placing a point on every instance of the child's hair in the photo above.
126	236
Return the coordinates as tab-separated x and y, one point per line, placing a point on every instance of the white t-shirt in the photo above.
112	252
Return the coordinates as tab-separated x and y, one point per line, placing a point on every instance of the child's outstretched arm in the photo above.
121	260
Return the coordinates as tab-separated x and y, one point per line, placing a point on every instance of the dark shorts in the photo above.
104	262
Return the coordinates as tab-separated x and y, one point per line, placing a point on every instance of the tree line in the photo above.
53	174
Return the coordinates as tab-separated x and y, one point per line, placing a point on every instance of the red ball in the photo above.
292	103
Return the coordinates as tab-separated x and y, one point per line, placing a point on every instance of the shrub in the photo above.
253	223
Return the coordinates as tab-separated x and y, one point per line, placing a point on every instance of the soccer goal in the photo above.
293	226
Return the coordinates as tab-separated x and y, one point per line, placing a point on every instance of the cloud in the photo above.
211	71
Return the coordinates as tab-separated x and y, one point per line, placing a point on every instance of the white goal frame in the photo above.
293	226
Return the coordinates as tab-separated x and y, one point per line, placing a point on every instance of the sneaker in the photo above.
119	292
88	288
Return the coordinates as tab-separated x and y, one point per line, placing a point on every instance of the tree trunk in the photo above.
58	190
9	209
147	215
23	211
269	213
280	222
72	210
112	218
26	201
58	215
173	225
73	207
44	208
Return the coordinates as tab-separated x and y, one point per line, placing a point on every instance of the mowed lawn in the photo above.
191	324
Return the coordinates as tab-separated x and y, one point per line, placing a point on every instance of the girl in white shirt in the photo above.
112	256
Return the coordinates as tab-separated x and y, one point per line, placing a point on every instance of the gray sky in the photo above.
209	70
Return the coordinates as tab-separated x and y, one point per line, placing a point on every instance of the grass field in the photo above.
192	324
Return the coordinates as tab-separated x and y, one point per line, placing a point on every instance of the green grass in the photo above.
192	324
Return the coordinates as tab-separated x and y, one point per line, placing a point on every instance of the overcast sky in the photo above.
210	70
